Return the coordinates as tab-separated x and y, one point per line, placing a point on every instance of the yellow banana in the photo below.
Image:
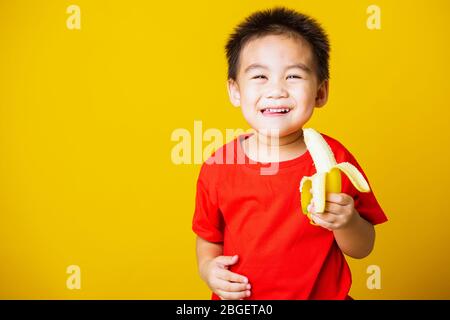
328	176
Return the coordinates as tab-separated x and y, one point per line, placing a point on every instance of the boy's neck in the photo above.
279	142
264	148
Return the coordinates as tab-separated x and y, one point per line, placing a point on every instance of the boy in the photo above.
253	242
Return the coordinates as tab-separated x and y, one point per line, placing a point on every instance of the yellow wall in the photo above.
86	117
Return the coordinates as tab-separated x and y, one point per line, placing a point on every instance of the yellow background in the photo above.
86	116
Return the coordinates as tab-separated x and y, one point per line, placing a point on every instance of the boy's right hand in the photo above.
226	284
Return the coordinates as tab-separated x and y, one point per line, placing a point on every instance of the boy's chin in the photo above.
276	132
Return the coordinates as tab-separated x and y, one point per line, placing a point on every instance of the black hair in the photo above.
279	20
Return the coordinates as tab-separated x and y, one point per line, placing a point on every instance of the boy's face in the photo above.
277	71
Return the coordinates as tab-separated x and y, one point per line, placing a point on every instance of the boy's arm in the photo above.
354	235
357	238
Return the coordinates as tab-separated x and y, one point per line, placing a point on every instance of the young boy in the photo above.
253	242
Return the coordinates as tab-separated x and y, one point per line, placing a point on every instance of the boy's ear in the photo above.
322	94
233	92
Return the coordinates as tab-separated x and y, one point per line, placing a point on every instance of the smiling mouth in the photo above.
275	111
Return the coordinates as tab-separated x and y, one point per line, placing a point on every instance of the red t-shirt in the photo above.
259	217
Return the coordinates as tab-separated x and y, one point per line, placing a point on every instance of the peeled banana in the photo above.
328	174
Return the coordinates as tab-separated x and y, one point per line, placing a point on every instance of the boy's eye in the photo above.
259	76
294	76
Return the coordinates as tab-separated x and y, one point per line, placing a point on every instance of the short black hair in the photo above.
279	20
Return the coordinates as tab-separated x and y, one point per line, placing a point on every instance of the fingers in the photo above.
324	217
334	203
233	295
333	208
227	260
317	218
339	198
339	208
232	286
330	209
227	275
227	284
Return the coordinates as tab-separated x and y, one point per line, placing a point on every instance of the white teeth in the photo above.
277	110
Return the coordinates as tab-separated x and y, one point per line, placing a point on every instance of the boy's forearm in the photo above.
357	239
206	251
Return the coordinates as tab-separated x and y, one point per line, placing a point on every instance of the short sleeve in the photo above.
208	220
365	202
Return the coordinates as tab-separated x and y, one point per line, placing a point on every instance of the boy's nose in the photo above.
277	91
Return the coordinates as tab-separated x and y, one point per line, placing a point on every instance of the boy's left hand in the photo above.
339	212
